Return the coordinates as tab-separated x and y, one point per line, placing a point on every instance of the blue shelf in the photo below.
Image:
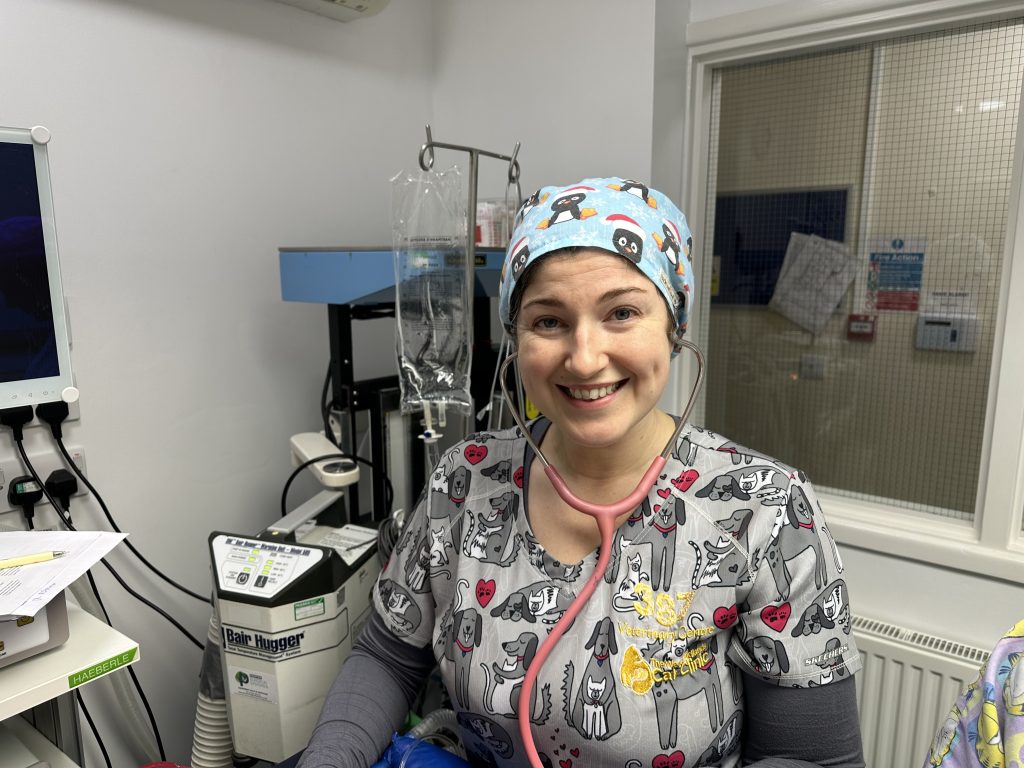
361	275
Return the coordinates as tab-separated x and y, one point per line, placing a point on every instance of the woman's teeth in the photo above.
591	394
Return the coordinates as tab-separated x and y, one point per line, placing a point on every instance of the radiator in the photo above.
908	685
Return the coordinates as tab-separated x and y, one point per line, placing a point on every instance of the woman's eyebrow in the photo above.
609	295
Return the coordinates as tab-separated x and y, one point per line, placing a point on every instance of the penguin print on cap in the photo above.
627	236
670	244
566	207
636	189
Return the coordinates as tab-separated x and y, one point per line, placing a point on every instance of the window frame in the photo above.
993	544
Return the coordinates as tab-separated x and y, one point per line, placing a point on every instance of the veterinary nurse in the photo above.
720	633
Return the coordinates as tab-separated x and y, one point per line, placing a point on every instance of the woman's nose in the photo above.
587	355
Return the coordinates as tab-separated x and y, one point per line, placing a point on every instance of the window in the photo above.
867	349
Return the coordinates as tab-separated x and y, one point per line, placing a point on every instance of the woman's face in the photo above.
593	345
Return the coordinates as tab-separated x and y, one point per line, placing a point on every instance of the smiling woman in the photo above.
720	618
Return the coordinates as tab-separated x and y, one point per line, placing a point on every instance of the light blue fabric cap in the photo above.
617	215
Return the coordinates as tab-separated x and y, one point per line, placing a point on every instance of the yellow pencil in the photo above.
39	557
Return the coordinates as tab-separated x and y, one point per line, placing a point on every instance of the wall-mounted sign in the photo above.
895	270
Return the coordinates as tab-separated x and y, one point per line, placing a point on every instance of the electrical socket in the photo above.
73	415
812	367
44	462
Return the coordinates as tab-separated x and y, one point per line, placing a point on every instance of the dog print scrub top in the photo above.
725	569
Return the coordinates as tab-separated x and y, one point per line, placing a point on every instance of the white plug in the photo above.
331	472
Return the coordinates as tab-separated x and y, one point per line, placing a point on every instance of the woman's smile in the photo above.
591	393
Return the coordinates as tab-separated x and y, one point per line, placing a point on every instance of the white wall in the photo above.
191	139
572	81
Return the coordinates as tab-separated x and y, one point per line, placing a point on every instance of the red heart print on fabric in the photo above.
726	617
686	479
475	453
675	760
518	477
664	492
776	616
575	751
485	591
567	763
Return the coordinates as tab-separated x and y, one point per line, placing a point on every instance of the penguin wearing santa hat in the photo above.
519	254
566	207
627	236
529	204
669	244
636	189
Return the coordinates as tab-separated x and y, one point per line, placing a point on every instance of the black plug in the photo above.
62	485
53	414
16	418
25	492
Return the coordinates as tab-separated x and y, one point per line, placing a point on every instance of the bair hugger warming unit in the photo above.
288	613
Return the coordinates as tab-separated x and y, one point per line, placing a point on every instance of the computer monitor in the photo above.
35	357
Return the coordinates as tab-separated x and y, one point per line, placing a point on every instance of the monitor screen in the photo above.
34	354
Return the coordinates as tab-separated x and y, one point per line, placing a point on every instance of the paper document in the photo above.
26	589
814	276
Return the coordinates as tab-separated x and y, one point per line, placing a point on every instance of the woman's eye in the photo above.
546	323
623	313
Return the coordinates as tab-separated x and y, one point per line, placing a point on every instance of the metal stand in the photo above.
480	329
427	162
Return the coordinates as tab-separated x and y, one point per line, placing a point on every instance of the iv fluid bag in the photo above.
434	297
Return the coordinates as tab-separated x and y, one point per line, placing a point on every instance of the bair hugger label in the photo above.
102	668
251	642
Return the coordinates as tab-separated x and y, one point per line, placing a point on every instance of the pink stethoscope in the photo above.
605	515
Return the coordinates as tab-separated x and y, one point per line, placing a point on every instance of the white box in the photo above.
947	332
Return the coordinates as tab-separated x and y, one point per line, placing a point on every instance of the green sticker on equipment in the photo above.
304	609
102	668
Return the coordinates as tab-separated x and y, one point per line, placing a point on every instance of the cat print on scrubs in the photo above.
724	562
625	535
439	546
489	533
417	566
546	564
628	594
765	484
830	608
591	706
541	600
501	694
403	613
484	739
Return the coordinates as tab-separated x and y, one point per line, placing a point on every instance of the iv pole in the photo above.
427	163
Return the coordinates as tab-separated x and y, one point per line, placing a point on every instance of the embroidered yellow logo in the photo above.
635	673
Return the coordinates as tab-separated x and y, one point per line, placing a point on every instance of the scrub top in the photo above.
726	569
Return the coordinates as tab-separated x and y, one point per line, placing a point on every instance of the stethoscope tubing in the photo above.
605	516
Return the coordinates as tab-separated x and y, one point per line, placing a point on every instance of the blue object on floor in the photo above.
410	752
